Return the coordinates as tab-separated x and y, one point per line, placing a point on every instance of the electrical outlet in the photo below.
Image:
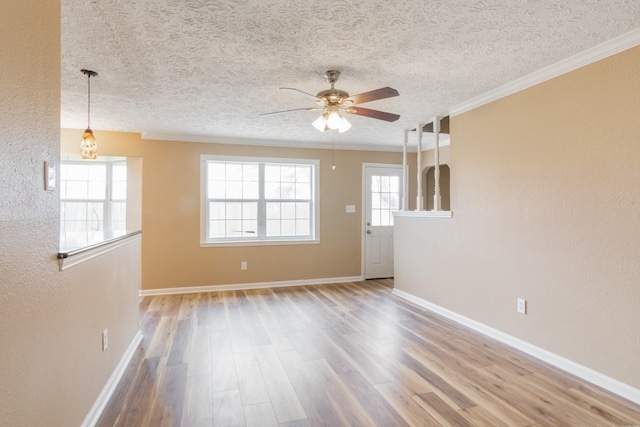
243	265
522	306
105	339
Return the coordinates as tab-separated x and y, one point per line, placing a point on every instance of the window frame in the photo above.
262	200
107	202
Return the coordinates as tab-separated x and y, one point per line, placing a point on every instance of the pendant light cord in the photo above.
333	151
88	101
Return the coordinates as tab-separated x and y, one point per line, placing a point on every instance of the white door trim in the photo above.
363	213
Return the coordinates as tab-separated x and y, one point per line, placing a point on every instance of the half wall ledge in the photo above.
424	214
70	258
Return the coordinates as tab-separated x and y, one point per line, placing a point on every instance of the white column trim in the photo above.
437	199
419	197
405	172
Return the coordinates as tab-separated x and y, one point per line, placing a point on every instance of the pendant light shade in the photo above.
88	145
344	125
334	120
321	122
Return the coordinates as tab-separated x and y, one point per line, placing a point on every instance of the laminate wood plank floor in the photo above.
334	355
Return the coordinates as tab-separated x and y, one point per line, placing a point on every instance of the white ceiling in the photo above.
205	70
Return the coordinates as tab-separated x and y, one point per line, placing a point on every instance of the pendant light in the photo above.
333	152
88	146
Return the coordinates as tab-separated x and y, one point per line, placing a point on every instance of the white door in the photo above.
383	196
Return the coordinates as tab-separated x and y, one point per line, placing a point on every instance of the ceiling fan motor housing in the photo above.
332	76
331	97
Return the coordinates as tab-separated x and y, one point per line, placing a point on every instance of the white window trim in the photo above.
293	240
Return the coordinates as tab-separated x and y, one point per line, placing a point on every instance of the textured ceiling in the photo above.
207	69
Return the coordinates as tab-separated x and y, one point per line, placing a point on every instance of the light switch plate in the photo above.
49	177
351	208
522	306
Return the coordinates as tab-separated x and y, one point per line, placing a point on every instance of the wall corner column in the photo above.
419	198
405	171
437	199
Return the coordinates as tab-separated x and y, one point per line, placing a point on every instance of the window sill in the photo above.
67	259
424	214
258	243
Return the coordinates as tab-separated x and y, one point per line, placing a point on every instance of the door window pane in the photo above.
385	199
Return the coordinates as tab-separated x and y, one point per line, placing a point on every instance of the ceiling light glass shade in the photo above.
321	123
344	125
331	121
88	146
334	120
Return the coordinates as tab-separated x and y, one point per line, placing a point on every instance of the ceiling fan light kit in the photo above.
335	101
331	120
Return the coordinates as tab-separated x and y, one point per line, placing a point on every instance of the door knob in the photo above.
368	231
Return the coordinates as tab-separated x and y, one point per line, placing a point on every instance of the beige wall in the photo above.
546	201
51	364
134	193
171	254
429	184
429	157
126	144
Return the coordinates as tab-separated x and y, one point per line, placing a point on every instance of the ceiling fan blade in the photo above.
374	114
293	109
374	95
300	92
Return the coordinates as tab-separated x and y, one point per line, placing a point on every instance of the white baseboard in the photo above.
101	402
587	374
243	286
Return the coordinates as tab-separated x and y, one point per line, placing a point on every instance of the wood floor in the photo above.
334	355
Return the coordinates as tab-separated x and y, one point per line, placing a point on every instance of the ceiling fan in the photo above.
334	101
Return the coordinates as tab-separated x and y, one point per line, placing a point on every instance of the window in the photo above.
92	202
385	199
249	200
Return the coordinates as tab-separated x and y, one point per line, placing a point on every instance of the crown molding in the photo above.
589	56
212	139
